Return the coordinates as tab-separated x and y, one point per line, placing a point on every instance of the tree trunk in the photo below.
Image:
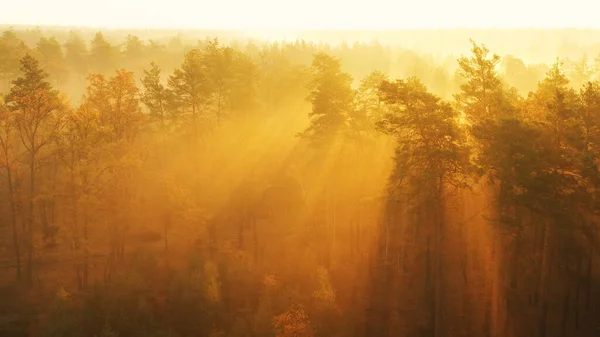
387	239
195	122
496	283
75	230
13	218
429	287
565	311
240	240
588	300
333	229
514	279
167	224
543	284
543	319
219	107
255	237
578	290
86	252
30	219
439	267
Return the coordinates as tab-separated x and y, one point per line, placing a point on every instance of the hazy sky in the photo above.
302	14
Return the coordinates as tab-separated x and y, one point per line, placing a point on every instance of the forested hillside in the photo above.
158	186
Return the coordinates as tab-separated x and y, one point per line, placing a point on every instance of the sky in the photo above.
303	14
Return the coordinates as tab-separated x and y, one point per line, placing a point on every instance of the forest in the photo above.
166	185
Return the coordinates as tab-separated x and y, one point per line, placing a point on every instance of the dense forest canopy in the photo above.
409	183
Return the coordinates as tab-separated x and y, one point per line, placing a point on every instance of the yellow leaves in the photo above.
292	323
83	132
96	84
35	104
116	100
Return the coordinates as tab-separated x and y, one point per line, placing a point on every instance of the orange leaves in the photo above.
293	323
116	100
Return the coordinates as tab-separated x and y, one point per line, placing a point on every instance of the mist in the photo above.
193	182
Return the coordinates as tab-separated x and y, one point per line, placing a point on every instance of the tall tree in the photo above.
39	119
156	97
134	52
369	107
191	87
487	107
76	55
53	59
218	62
482	97
83	149
103	55
10	160
430	162
117	102
332	100
368	95
579	72
281	81
12	49
244	85
536	106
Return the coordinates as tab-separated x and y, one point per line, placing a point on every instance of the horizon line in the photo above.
289	29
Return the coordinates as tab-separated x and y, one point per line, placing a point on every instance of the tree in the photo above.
38	109
156	97
430	162
134	52
482	97
368	95
280	81
191	87
219	62
159	102
12	49
536	106
535	161
83	149
117	102
579	72
489	108
425	126
53	58
369	108
10	157
103	55
590	123
76	55
244	85
332	100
